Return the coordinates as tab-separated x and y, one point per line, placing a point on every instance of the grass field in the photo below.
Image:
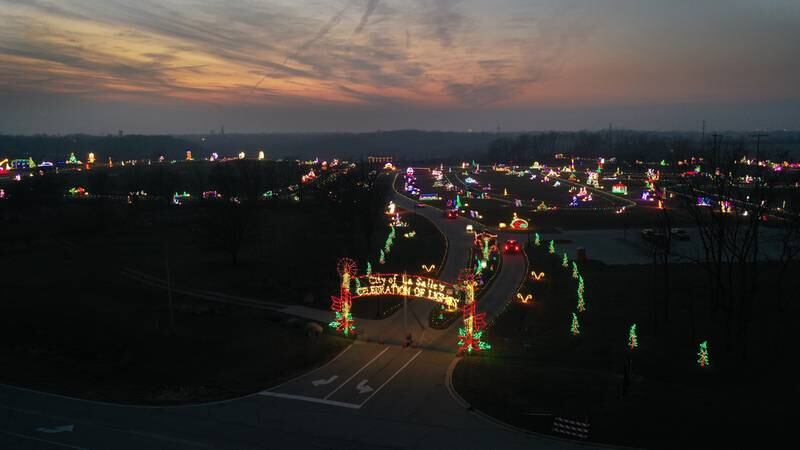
78	329
537	369
426	247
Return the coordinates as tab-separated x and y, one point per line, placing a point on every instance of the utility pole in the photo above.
703	138
758	137
169	288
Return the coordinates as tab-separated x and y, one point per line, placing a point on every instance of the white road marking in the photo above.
363	388
322	382
390	378
357	372
310	399
9	433
303	375
61	429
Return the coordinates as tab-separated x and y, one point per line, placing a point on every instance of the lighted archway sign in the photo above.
393	284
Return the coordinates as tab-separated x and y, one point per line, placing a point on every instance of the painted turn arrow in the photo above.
61	429
323	381
363	388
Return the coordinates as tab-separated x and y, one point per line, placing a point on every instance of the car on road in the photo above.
680	234
655	237
450	214
511	247
421	205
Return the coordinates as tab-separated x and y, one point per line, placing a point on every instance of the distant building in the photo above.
379	159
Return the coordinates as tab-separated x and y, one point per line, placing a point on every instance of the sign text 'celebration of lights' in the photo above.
407	285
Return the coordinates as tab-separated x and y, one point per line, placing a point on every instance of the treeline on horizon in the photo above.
403	145
639	145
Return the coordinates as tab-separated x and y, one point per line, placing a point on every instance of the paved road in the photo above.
371	396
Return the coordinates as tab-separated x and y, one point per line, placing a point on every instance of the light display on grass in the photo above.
565	261
703	358
633	339
518	224
575	273
72	159
575	327
189	155
581	302
90	159
537	276
537	240
469	336
78	192
619	188
261	155
387	245
341	305
179	197
552	247
369	268
526	299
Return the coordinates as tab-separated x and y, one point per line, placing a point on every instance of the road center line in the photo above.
390	378
357	372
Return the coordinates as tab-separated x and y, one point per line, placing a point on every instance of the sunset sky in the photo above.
180	66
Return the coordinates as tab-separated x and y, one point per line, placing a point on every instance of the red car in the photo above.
511	246
450	214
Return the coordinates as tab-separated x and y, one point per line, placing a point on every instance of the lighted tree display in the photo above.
633	339
565	261
575	327
575	273
382	258
469	336
552	248
702	355
537	240
369	268
342	304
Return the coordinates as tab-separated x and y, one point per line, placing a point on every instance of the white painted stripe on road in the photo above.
390	378
311	372
357	372
60	444
310	399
